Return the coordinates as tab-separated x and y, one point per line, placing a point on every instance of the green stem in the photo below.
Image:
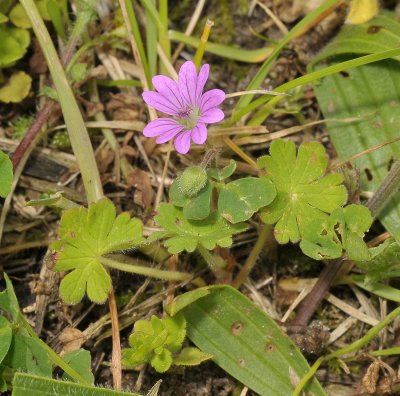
78	134
355	346
56	359
310	77
152	272
216	263
133	24
386	190
163	38
198	56
253	256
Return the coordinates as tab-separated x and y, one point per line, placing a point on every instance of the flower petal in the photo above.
169	89
161	127
160	102
201	81
187	81
211	99
212	115
199	133
182	142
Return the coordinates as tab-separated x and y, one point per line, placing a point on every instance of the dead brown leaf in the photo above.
144	193
71	339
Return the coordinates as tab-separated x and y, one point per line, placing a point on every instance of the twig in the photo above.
116	366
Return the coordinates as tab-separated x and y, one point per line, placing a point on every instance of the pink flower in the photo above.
185	101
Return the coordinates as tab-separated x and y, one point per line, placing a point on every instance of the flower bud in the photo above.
192	180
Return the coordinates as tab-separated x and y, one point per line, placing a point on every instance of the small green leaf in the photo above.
196	207
81	361
86	235
27	354
3	18
8	299
353	221
240	199
13	45
384	264
5	337
6	174
176	327
19	17
320	241
162	362
16	89
56	17
303	192
27	384
183	234
79	71
224	173
190	356
186	299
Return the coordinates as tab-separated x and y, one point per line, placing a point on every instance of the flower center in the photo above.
188	117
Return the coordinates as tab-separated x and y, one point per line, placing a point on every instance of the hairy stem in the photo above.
152	272
116	359
355	346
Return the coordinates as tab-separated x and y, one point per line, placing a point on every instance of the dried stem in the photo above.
116	366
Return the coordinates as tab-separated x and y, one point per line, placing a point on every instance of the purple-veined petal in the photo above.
161	127
211	99
212	115
167	136
187	81
182	142
160	102
199	133
169	89
201	81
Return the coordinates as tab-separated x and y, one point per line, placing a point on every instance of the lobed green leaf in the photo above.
183	234
86	235
303	192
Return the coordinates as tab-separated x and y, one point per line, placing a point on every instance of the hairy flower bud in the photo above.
192	180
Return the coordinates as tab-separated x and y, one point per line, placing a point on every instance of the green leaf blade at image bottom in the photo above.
246	343
26	384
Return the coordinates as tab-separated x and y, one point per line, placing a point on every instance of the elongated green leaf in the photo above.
370	92
378	34
26	384
6	174
246	343
5	337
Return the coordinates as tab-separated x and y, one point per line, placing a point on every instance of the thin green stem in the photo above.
126	5
56	359
386	352
386	190
216	263
198	56
163	38
151	42
266	66
310	77
355	346
152	272
78	134
303	382
263	236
